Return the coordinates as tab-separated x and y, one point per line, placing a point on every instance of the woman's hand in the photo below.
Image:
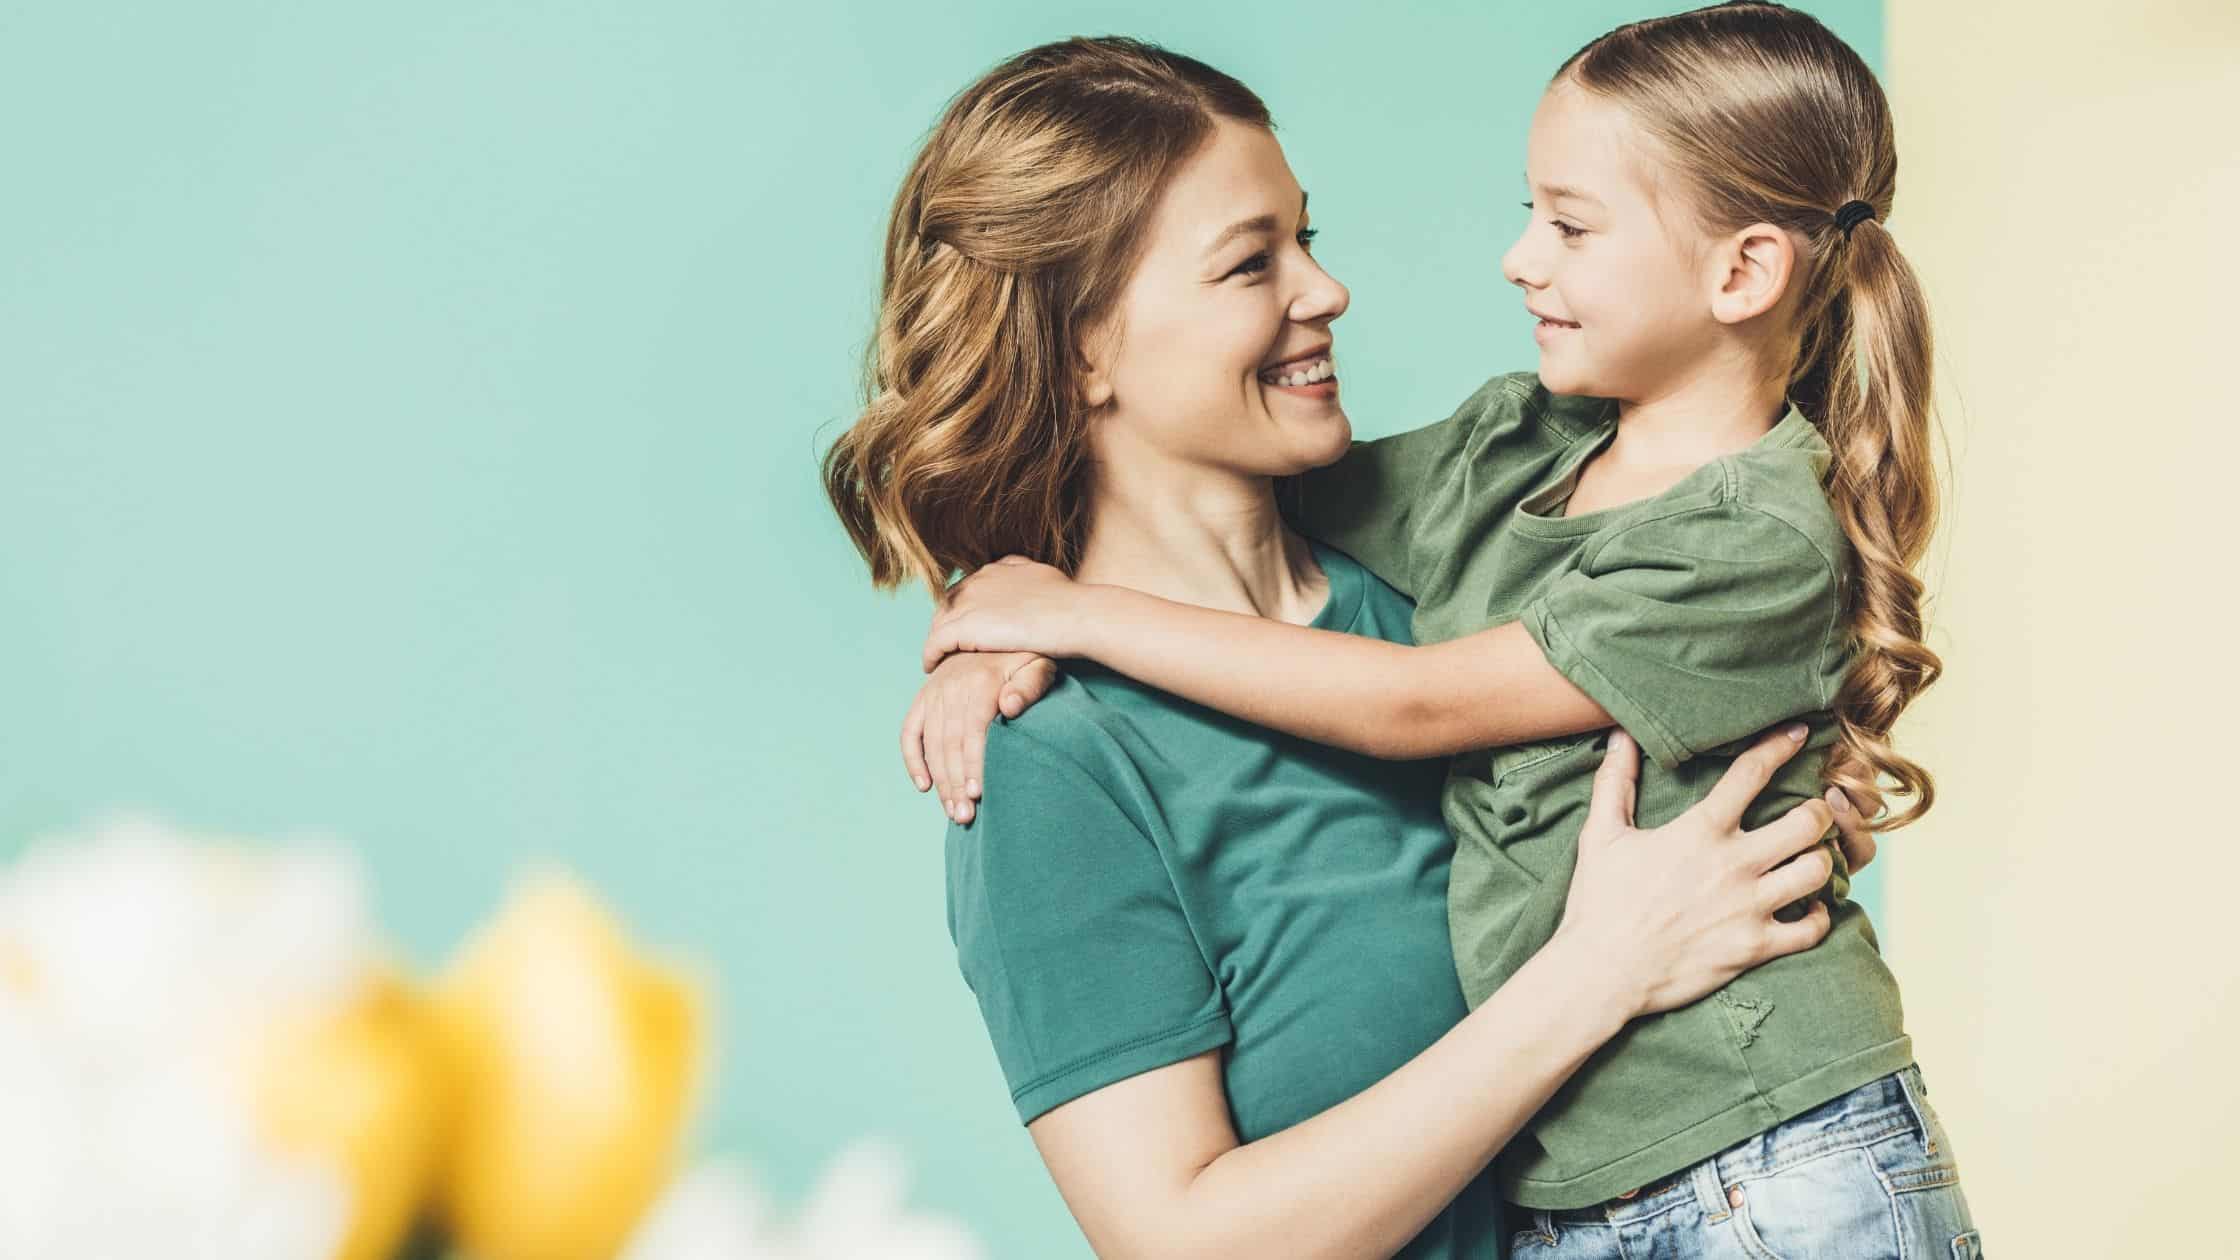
946	730
1012	605
1669	915
1858	842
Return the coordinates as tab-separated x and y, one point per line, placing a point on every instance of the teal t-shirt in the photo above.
1698	617
1147	880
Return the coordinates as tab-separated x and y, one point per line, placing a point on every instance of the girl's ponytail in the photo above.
1870	357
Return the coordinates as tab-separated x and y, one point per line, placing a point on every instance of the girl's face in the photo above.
1218	352
1616	273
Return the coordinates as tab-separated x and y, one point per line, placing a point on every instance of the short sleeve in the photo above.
1364	504
1697	629
1070	932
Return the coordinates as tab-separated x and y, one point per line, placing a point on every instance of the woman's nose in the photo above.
1323	299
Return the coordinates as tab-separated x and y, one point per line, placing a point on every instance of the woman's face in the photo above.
1217	354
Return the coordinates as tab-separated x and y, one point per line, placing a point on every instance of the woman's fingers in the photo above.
1858	843
1801	828
1789	881
1610	811
913	743
1792	938
1749	774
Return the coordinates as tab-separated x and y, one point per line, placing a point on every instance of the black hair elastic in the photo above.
1850	213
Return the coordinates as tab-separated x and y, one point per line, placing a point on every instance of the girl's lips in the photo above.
1548	330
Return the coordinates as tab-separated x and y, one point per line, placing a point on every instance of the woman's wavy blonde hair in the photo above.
1012	236
1766	117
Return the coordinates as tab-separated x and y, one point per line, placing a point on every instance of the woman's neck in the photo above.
1202	538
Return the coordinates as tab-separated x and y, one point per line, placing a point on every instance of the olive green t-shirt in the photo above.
1698	617
1148	880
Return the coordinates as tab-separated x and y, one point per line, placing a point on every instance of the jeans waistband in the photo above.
1879	1108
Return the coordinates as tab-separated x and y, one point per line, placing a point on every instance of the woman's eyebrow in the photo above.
1257	223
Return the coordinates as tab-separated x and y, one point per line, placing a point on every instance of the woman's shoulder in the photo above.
1070	741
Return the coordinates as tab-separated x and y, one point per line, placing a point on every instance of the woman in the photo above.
1213	959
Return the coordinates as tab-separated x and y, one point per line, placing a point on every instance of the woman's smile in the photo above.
1312	375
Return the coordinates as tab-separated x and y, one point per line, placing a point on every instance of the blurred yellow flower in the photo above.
574	1063
360	1088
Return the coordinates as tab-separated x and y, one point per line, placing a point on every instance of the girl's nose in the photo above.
1519	267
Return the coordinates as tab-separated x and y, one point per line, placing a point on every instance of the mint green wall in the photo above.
409	420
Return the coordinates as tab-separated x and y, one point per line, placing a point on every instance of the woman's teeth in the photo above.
1301	374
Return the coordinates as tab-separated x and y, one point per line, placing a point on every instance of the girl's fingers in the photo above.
936	749
954	720
1029	683
975	745
913	743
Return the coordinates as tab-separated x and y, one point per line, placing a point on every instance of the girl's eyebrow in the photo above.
1555	191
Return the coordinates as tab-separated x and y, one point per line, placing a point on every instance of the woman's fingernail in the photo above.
972	787
1838	802
922	784
1796	732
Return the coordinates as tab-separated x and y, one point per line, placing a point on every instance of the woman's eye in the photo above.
1259	262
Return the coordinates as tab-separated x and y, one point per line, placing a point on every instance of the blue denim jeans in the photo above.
1868	1176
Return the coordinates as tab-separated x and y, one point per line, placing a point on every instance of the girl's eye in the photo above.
1259	262
1563	229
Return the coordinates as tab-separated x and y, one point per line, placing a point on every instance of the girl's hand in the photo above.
1669	915
946	730
1012	605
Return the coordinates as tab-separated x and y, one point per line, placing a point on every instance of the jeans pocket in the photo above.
1795	1212
1968	1246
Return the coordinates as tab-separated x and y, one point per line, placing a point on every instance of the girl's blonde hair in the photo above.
1012	236
1766	117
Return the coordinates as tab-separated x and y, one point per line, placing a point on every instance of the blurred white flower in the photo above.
136	962
713	1212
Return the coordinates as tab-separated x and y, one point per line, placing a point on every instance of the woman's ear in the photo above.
1751	271
1092	362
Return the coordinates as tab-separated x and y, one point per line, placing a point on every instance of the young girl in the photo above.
1697	520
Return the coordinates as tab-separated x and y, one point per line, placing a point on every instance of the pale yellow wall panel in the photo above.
2064	923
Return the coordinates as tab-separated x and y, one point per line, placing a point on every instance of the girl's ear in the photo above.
1751	270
